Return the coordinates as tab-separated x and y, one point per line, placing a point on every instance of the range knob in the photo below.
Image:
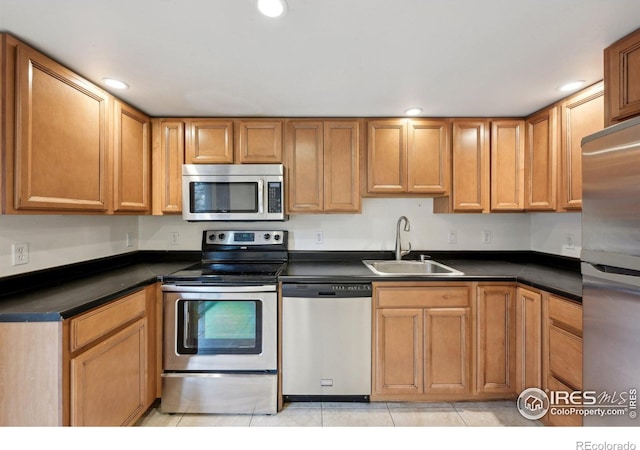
276	237
266	236
212	237
221	236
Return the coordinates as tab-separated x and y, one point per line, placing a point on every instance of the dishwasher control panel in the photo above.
315	290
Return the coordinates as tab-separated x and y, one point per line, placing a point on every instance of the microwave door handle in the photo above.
260	196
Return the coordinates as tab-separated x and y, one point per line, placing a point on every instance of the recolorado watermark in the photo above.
534	403
589	445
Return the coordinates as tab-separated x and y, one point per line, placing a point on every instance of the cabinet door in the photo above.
429	156
168	157
528	339
507	165
447	344
387	156
305	168
209	141
132	159
541	153
108	381
61	137
496	339
341	166
259	141
470	160
398	352
582	115
622	79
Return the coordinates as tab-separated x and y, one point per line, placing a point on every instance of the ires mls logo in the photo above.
534	403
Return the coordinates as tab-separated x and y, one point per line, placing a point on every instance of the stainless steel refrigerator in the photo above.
611	272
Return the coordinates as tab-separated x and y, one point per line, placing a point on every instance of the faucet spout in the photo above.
398	250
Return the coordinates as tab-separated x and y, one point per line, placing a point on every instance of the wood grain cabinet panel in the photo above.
108	381
209	141
132	160
408	157
168	158
622	79
582	115
496	352
528	339
61	148
470	162
507	165
259	141
323	166
541	160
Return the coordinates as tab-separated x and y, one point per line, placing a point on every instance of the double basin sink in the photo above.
409	268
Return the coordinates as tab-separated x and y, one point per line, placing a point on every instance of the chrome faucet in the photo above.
407	226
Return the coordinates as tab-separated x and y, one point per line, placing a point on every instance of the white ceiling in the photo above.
329	57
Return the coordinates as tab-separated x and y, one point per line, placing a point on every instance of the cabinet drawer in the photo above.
565	356
88	327
422	297
565	312
574	420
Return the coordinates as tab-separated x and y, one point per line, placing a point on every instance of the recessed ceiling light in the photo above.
573	85
413	111
272	8
115	84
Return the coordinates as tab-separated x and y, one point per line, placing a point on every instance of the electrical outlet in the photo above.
174	238
20	253
452	237
486	236
129	239
571	241
319	237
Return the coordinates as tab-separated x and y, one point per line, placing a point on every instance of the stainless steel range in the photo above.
220	326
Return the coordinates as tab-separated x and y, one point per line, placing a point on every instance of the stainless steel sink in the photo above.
403	268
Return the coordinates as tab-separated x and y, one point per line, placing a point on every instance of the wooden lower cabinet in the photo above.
496	343
528	339
108	381
422	341
562	352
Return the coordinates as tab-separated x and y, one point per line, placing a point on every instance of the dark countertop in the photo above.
71	291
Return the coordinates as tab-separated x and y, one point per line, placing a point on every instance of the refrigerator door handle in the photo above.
612	274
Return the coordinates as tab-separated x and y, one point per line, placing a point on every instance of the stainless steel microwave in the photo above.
232	192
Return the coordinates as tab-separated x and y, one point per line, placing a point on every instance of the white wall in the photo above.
374	229
59	240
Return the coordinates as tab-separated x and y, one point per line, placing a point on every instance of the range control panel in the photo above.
244	237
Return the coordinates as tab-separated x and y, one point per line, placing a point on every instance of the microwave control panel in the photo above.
274	197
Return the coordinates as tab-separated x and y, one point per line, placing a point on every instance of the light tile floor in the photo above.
378	414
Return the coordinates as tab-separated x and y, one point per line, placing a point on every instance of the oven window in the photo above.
219	327
218	197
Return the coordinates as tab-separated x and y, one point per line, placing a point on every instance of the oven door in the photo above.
220	328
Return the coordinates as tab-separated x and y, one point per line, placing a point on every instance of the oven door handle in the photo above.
209	288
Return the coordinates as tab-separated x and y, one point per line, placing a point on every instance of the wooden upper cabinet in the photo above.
61	140
168	157
323	166
259	141
132	160
386	156
507	165
342	166
428	156
470	162
622	79
209	141
408	156
305	167
541	153
582	115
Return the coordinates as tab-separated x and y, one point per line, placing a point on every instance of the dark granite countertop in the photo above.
58	294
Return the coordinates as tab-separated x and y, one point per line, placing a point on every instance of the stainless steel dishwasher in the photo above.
326	342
